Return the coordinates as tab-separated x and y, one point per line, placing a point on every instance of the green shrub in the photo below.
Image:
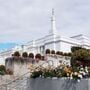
58	53
31	55
73	49
36	74
52	51
48	51
81	56
16	54
2	69
61	53
65	54
38	56
25	54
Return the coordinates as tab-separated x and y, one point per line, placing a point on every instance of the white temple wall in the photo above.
2	60
85	46
49	46
65	47
58	46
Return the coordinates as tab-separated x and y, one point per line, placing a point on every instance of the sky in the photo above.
25	20
5	46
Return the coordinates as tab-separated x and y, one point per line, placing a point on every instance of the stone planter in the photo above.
57	84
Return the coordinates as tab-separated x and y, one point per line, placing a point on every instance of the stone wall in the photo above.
57	84
18	66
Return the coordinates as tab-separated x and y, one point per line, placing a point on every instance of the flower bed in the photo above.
75	73
59	78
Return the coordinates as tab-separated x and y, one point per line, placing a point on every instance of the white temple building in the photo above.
52	41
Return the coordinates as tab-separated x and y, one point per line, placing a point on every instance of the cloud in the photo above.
24	20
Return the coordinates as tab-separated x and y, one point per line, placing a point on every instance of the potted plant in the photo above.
31	55
38	57
52	51
24	54
48	51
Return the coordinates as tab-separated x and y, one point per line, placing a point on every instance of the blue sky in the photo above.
4	46
24	20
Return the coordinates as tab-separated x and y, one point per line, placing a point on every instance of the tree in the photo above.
47	51
31	55
80	55
69	54
73	49
25	54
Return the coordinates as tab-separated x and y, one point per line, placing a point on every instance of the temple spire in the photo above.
53	24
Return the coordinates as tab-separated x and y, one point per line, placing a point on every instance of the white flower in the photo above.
86	71
83	73
80	76
78	80
75	73
71	77
82	69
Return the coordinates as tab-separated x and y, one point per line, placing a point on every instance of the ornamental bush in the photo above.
69	54
47	51
38	56
58	53
61	53
31	55
52	51
65	54
2	69
25	54
16	54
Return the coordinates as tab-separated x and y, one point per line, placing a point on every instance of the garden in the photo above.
78	69
63	77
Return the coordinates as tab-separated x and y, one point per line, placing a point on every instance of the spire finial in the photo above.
52	11
53	23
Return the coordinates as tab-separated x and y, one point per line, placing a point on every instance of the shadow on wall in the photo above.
57	84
